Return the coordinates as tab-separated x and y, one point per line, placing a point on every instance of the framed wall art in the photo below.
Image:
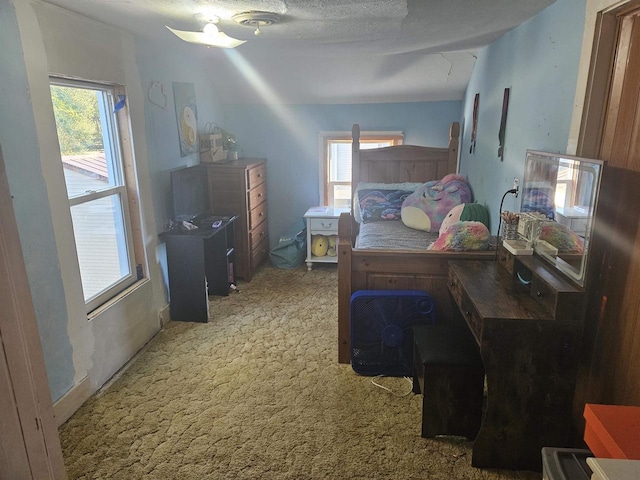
184	97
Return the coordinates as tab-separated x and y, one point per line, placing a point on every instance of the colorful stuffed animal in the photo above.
560	237
463	236
319	245
331	249
426	208
465	212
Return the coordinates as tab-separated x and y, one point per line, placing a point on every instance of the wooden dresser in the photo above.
240	188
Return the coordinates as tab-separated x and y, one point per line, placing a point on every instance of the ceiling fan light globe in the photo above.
210	29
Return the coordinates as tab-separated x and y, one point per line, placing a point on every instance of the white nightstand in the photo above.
323	221
576	219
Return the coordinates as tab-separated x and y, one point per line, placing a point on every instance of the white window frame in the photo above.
371	136
120	153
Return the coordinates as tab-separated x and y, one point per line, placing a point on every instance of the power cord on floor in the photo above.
410	380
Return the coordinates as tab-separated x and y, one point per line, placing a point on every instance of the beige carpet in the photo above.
257	393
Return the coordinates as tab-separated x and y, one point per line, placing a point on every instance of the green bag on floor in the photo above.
291	250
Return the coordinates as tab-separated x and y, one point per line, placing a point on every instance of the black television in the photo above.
190	192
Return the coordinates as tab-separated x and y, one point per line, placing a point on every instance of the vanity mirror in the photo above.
564	191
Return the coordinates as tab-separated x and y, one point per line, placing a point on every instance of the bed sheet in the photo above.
393	235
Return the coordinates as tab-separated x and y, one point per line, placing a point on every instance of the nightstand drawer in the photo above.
324	225
579	225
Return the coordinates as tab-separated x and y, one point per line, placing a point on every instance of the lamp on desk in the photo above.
514	191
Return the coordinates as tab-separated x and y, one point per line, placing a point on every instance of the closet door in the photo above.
29	442
621	140
611	352
620	147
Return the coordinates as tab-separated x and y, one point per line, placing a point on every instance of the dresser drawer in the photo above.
256	176
324	225
259	253
257	215
544	294
257	196
471	316
258	234
455	288
506	259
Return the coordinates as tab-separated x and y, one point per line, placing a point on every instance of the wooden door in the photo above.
621	137
613	319
29	443
621	148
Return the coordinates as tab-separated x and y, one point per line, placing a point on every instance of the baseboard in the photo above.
164	315
72	401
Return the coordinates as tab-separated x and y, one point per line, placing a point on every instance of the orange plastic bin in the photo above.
613	431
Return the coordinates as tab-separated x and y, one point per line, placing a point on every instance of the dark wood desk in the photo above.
200	263
528	337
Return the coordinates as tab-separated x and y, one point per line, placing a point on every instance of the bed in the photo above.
394	268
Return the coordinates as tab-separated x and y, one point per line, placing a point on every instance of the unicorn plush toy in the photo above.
426	208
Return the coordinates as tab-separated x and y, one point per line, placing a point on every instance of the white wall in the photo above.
57	41
82	352
538	61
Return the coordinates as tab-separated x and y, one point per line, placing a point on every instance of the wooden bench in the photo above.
449	372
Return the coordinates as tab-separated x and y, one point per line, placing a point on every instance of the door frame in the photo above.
599	63
30	445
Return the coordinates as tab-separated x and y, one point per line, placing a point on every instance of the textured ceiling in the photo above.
331	51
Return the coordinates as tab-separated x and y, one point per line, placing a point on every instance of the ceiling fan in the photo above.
211	36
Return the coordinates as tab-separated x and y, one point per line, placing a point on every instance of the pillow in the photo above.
426	208
407	186
377	205
539	199
463	236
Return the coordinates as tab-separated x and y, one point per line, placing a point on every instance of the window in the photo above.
336	165
88	134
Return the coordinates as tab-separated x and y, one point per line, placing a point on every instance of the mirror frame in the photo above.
591	192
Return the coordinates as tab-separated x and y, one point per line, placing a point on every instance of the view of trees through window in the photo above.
91	157
77	119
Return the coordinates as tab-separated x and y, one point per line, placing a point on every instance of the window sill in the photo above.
109	303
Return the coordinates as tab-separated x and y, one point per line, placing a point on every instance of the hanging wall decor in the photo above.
474	126
184	96
503	124
156	94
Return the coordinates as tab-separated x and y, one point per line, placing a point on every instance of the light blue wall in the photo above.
538	61
287	136
163	148
165	67
21	154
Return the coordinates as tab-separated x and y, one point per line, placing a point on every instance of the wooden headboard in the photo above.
403	163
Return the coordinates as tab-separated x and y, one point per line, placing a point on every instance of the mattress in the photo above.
392	235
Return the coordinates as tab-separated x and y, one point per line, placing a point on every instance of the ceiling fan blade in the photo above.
213	40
